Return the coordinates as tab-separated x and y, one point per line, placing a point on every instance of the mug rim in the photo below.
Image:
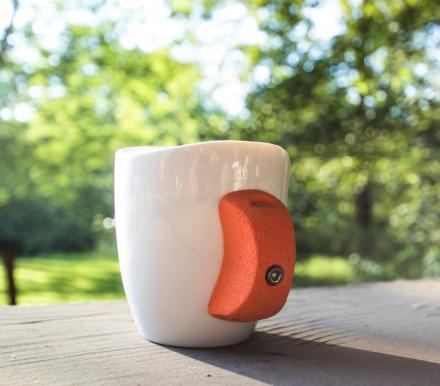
136	151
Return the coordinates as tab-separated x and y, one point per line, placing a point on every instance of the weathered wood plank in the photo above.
386	333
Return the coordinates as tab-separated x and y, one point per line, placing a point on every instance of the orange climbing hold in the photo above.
258	257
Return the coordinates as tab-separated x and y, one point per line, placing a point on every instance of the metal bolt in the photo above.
274	275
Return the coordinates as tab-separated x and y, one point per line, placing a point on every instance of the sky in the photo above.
151	27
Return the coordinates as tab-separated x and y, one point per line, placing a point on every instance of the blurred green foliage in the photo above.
359	116
56	169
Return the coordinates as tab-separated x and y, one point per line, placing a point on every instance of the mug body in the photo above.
169	235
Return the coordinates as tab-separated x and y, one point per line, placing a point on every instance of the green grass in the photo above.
65	278
323	270
59	278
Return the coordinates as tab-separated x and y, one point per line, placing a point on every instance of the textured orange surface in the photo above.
257	233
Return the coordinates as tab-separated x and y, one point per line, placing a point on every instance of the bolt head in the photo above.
274	275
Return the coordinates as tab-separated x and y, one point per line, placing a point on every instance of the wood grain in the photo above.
376	334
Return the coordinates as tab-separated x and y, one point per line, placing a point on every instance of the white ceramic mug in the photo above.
169	235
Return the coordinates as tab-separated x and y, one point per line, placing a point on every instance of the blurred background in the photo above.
349	87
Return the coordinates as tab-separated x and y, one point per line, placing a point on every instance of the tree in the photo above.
91	97
359	116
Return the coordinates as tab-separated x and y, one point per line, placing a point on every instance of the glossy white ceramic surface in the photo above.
169	235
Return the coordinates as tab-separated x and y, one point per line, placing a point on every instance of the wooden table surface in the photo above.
375	334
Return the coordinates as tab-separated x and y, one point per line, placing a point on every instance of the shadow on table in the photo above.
283	360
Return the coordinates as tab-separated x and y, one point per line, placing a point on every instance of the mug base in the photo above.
200	345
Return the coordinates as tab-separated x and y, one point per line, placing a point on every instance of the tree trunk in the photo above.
8	31
364	207
8	260
364	218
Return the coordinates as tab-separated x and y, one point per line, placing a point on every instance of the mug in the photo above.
193	223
